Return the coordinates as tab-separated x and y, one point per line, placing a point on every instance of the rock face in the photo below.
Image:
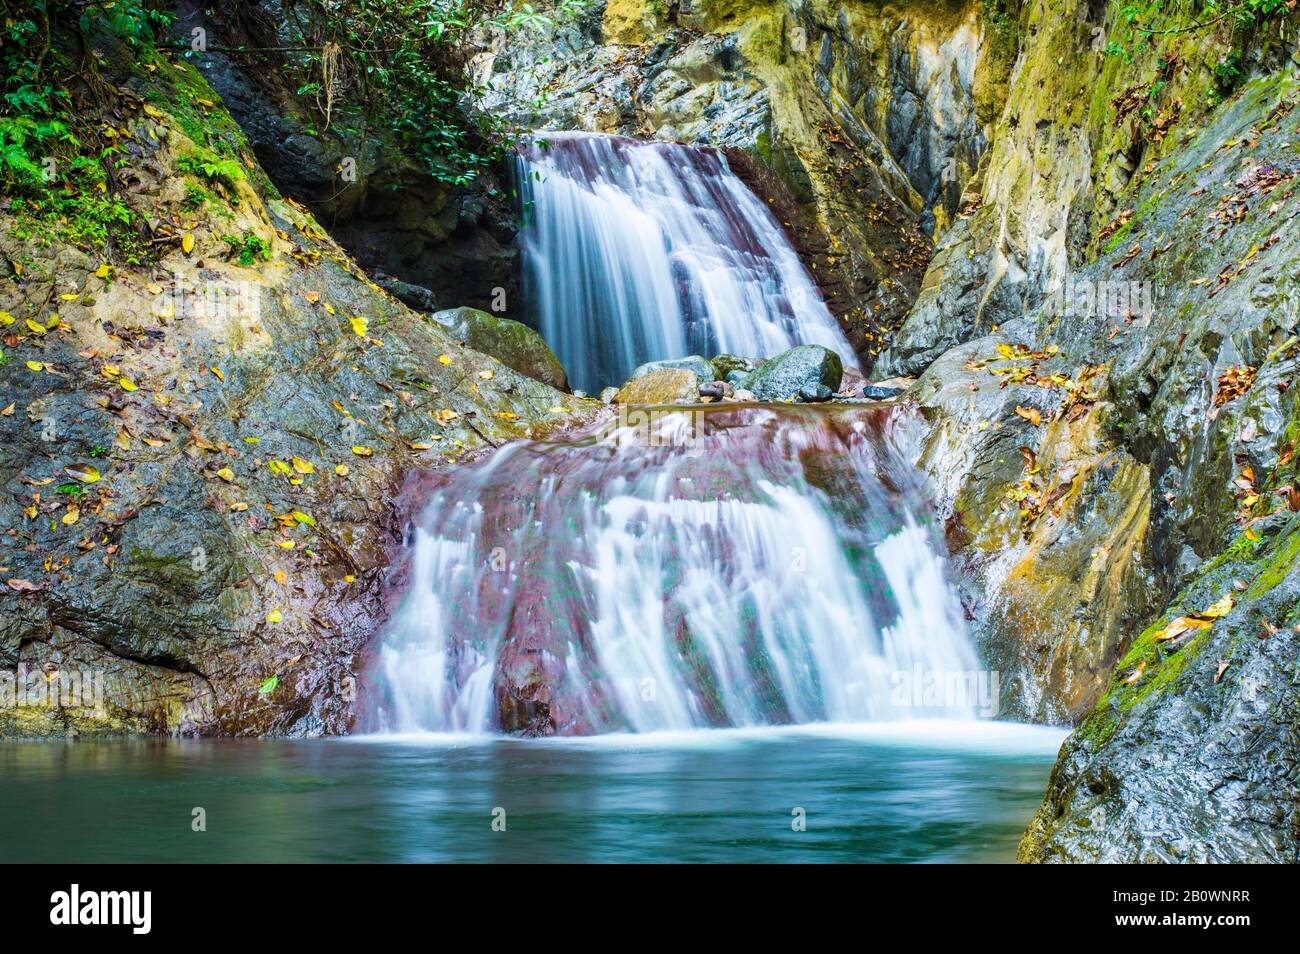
1121	458
1079	124
248	426
513	344
788	375
857	121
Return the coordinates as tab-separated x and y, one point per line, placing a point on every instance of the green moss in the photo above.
1278	565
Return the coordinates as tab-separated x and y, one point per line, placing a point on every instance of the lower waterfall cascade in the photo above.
735	566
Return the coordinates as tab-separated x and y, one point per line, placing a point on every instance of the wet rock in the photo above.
740	394
724	365
714	389
815	393
786	375
666	386
878	393
513	344
608	395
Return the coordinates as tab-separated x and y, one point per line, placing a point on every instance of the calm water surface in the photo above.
900	793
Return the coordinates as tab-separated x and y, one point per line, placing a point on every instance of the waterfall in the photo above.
636	251
730	565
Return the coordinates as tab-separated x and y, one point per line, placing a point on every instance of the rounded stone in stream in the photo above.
878	393
666	386
713	389
786	375
694	363
513	344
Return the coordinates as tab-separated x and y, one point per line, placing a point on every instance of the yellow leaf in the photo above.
279	467
349	578
187	242
284	544
69	297
104	271
1220	608
6	319
86	473
311	296
341	470
362	451
72	516
281	576
217	372
226	474
238	507
109	371
37	327
445	358
358	326
303	466
304	518
274	616
36	365
7	412
127	385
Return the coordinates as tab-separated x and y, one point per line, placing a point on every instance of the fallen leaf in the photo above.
187	242
86	473
362	451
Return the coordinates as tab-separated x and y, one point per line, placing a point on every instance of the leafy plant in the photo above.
249	247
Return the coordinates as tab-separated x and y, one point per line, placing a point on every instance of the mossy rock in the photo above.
513	344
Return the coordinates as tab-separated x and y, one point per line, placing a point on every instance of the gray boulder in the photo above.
788	374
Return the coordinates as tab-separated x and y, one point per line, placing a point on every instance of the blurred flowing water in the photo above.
636	251
725	565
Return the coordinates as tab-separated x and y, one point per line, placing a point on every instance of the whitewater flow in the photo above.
636	251
727	566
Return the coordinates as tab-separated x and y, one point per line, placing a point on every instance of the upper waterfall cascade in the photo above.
636	251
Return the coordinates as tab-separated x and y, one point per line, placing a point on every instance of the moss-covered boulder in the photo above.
512	343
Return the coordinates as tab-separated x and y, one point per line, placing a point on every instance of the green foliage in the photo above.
57	170
399	66
248	247
208	165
